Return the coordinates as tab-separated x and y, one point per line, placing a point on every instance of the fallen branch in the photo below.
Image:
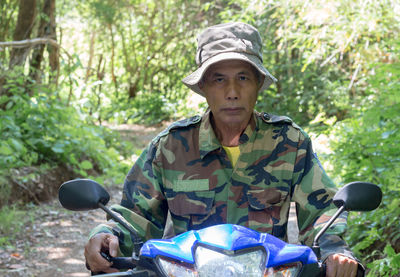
32	42
28	43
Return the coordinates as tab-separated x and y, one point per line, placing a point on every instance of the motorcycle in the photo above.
226	249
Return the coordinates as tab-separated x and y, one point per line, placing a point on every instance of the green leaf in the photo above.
58	148
83	173
73	160
86	165
6	150
17	145
389	250
9	105
3	99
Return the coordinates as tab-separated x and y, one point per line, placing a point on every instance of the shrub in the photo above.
37	128
367	148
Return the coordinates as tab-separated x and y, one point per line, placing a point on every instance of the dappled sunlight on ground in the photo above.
54	252
77	274
53	245
74	261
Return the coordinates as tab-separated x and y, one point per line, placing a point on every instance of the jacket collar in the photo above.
208	140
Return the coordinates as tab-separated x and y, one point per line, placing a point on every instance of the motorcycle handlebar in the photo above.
119	262
323	270
128	263
122	263
117	274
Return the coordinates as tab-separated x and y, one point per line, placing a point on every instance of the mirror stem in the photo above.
137	240
315	246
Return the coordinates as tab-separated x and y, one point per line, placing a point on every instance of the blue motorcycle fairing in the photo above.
228	237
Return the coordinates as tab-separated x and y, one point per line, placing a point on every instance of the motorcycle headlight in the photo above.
287	270
210	263
175	269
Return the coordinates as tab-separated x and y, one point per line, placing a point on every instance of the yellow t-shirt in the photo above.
233	154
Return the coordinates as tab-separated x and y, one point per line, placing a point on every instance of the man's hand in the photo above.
101	243
340	266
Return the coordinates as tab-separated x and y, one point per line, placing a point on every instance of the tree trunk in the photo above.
46	29
54	53
37	55
25	21
114	79
91	53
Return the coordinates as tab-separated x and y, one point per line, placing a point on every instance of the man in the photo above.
232	165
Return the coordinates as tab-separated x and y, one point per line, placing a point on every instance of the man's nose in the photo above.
232	91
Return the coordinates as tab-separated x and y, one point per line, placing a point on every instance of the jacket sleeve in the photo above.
312	192
143	204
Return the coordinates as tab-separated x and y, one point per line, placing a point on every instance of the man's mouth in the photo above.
232	110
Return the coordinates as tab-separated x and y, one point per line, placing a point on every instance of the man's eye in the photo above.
243	78
219	80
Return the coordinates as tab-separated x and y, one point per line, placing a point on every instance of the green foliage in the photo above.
149	109
389	266
42	130
8	15
141	51
320	52
367	147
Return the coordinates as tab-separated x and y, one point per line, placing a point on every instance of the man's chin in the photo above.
235	122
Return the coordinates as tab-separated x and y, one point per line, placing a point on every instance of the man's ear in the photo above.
200	84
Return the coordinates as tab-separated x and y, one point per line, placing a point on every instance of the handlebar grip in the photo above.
360	270
122	263
119	262
323	270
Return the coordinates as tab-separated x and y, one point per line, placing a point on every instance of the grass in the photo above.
12	221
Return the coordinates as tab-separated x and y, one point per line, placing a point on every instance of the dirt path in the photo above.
53	242
53	245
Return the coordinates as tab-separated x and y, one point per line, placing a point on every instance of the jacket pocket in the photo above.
265	209
183	203
261	199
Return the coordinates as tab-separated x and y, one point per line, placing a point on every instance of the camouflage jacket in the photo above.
185	172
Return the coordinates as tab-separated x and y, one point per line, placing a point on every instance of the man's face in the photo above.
231	89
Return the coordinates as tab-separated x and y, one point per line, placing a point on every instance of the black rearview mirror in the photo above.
85	194
358	196
355	196
82	195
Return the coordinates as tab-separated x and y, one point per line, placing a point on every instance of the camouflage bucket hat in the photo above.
229	41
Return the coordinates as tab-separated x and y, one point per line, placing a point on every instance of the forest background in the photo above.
70	70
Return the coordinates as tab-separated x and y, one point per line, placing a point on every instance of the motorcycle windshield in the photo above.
228	237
